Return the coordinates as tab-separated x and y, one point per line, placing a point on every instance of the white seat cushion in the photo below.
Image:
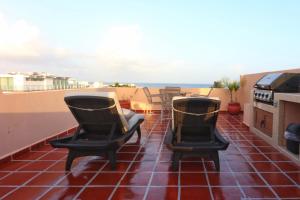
134	119
128	113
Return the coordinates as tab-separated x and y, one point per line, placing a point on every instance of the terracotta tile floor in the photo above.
250	169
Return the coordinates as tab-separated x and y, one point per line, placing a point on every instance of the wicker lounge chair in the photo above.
103	128
194	129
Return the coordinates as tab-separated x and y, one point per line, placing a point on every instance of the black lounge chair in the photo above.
103	127
194	129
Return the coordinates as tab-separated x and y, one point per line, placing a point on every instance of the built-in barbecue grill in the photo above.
269	84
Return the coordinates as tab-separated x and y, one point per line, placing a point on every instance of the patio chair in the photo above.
194	129
151	98
176	91
103	128
167	95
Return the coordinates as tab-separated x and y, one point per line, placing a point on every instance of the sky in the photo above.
165	41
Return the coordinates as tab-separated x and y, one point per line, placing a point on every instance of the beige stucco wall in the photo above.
29	117
139	100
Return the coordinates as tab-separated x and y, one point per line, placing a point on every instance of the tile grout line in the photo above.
38	173
142	186
33	161
233	174
64	176
239	144
85	185
156	162
54	185
250	163
235	179
207	180
131	163
258	173
179	182
123	176
29	162
272	162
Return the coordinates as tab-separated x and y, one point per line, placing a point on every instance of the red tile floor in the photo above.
250	169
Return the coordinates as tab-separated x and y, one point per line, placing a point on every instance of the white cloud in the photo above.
19	39
22	48
22	40
120	55
120	46
122	41
122	50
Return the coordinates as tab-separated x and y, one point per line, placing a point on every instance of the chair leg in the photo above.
138	130
112	159
70	158
215	157
175	160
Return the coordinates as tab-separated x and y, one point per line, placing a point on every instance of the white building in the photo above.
83	84
36	81
12	82
16	81
97	84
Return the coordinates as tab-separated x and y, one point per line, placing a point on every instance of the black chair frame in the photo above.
205	139
109	147
100	129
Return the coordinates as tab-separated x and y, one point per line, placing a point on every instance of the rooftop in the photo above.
250	168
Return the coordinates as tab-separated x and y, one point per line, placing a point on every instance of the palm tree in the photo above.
233	86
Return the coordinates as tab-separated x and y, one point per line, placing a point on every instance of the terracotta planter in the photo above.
234	108
125	104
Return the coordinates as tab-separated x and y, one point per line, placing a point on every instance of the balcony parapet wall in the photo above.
27	118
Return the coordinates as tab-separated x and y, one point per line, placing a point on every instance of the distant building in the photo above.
96	84
72	83
38	82
83	84
16	81
12	82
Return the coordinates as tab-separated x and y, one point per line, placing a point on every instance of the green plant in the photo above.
116	84
218	84
232	86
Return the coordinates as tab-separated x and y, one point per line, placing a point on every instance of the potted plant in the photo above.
217	84
234	107
125	103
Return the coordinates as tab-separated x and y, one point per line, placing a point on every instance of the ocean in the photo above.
162	85
182	85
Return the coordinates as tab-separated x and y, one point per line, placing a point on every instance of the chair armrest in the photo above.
77	132
134	120
155	95
220	138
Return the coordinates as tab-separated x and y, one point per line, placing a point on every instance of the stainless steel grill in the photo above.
269	84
